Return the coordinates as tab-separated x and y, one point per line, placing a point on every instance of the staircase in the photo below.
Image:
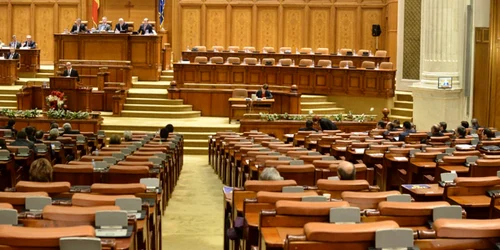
403	107
318	105
45	72
8	99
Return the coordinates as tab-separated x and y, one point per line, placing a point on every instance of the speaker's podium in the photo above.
77	97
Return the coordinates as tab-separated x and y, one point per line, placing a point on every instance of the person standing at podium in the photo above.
70	72
104	26
15	43
145	27
29	43
78	26
12	54
121	26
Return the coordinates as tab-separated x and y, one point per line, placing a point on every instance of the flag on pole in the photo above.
161	5
95	12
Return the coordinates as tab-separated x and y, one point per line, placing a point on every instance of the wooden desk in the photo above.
8	71
434	193
357	60
251	107
29	59
309	80
143	51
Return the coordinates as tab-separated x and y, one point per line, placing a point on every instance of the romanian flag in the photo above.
95	12
161	5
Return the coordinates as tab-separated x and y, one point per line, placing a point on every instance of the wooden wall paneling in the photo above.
21	14
267	27
494	63
345	36
67	16
190	27
293	27
482	86
4	30
391	33
241	26
369	17
44	17
216	26
318	31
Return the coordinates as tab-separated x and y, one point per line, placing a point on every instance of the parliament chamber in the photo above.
325	124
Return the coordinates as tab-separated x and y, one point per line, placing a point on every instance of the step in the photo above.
166	78
9	103
195	143
155	101
151	85
9	91
402	112
167	72
313	98
8	107
44	75
135	78
400	118
404	96
147	93
8	97
159	114
324	111
317	105
195	150
44	70
403	104
156	107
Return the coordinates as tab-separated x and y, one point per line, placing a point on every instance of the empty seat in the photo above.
200	48
233	48
19	198
5	206
74	174
201	59
250	60
381	53
95	200
343	52
361	51
268	50
249	49
325	63
458	228
127	174
217	59
285	207
306	50
368	65
216	48
73	213
349	233
273	197
43	237
323	51
306	62
343	64
285	49
128	188
268	61
233	60
285	61
240	93
366	200
270	186
49	187
304	175
386	65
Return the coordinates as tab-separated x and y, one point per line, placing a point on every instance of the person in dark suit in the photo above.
104	26
29	43
475	124
407	129
460	133
78	26
39	136
30	133
325	123
12	54
10	125
264	92
68	130
435	131
15	43
464	124
70	72
309	126
22	141
145	28
121	26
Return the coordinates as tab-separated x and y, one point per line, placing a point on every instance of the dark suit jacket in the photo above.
74	73
26	143
142	30
31	45
16	56
124	28
405	133
18	45
268	94
72	132
82	28
327	124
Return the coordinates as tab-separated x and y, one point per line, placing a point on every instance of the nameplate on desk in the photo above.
288	52
185	62
202	62
256	52
302	65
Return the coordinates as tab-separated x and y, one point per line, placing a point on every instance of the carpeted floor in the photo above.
194	217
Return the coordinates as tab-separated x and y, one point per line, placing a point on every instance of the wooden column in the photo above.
494	63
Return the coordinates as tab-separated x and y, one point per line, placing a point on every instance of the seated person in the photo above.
346	171
68	130
464	124
325	123
381	125
264	92
41	170
53	134
12	54
127	136
121	26
164	133
435	130
39	136
15	43
104	26
145	27
407	129
30	132
397	124
3	145
78	26
488	134
21	140
170	128
460	133
475	124
10	125
114	140
390	128
443	126
54	125
309	126
270	174
29	43
70	72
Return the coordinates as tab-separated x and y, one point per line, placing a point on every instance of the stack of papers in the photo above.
400	158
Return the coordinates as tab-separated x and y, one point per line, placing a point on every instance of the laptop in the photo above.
399	198
133	206
35	204
448	212
471	160
112	224
100	165
55	145
292	189
4	155
24	151
80	243
118	156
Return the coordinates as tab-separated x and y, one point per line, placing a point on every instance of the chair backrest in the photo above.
342	64
233	48
343	52
306	50
249	48
324	63
250	60
200	48
323	51
302	174
232	60
268	49
285	61
386	65
201	59
305	62
217	59
361	51
285	49
381	53
240	93
218	48
268	61
368	65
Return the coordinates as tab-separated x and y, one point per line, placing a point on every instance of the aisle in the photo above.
194	217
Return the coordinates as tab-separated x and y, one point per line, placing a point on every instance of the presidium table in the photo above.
144	52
